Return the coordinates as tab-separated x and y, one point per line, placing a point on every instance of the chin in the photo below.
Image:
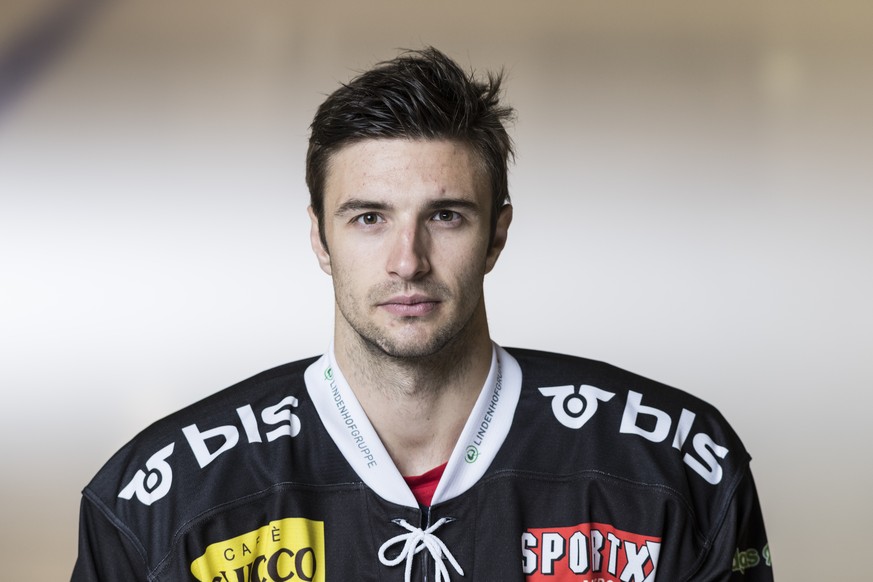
409	348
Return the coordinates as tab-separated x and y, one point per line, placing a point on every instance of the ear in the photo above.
317	247
504	218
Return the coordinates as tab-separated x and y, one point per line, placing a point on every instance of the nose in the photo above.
408	255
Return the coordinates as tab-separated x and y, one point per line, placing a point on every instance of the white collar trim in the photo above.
351	430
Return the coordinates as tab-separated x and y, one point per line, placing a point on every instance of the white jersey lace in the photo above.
416	540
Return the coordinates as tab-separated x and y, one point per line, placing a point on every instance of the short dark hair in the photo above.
419	94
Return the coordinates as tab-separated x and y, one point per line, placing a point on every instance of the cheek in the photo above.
465	249
467	270
352	276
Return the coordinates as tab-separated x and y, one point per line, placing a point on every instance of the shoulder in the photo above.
634	453
248	402
553	368
595	417
203	454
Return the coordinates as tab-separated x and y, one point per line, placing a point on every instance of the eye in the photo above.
446	216
369	218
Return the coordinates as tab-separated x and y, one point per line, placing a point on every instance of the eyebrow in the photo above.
359	204
461	203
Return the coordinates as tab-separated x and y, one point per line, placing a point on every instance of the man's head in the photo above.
407	172
419	95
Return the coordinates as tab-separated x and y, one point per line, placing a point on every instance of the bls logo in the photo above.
151	486
573	407
154	484
278	414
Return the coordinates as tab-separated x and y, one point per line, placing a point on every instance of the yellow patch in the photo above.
285	549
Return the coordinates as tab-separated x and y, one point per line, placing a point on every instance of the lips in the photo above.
409	305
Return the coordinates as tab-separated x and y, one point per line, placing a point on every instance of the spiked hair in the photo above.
418	95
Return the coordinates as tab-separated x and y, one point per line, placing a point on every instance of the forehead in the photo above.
380	168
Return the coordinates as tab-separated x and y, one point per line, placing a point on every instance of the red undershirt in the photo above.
423	486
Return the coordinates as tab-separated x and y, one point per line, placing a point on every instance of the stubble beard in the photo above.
446	341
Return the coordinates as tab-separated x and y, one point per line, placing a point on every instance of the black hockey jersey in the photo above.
567	470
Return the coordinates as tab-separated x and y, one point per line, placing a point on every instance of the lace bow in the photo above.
416	540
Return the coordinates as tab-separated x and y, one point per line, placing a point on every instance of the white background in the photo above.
692	202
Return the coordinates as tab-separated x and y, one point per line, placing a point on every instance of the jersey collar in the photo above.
481	438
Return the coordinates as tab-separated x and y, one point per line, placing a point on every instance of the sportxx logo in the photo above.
287	549
155	483
575	406
597	551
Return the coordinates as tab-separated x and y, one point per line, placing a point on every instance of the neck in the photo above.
418	406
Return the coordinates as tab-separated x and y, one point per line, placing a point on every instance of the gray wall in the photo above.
693	202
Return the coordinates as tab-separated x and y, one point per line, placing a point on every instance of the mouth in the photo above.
409	305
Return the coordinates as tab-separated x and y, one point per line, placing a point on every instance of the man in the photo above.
415	448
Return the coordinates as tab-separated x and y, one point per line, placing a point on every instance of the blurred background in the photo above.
693	202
